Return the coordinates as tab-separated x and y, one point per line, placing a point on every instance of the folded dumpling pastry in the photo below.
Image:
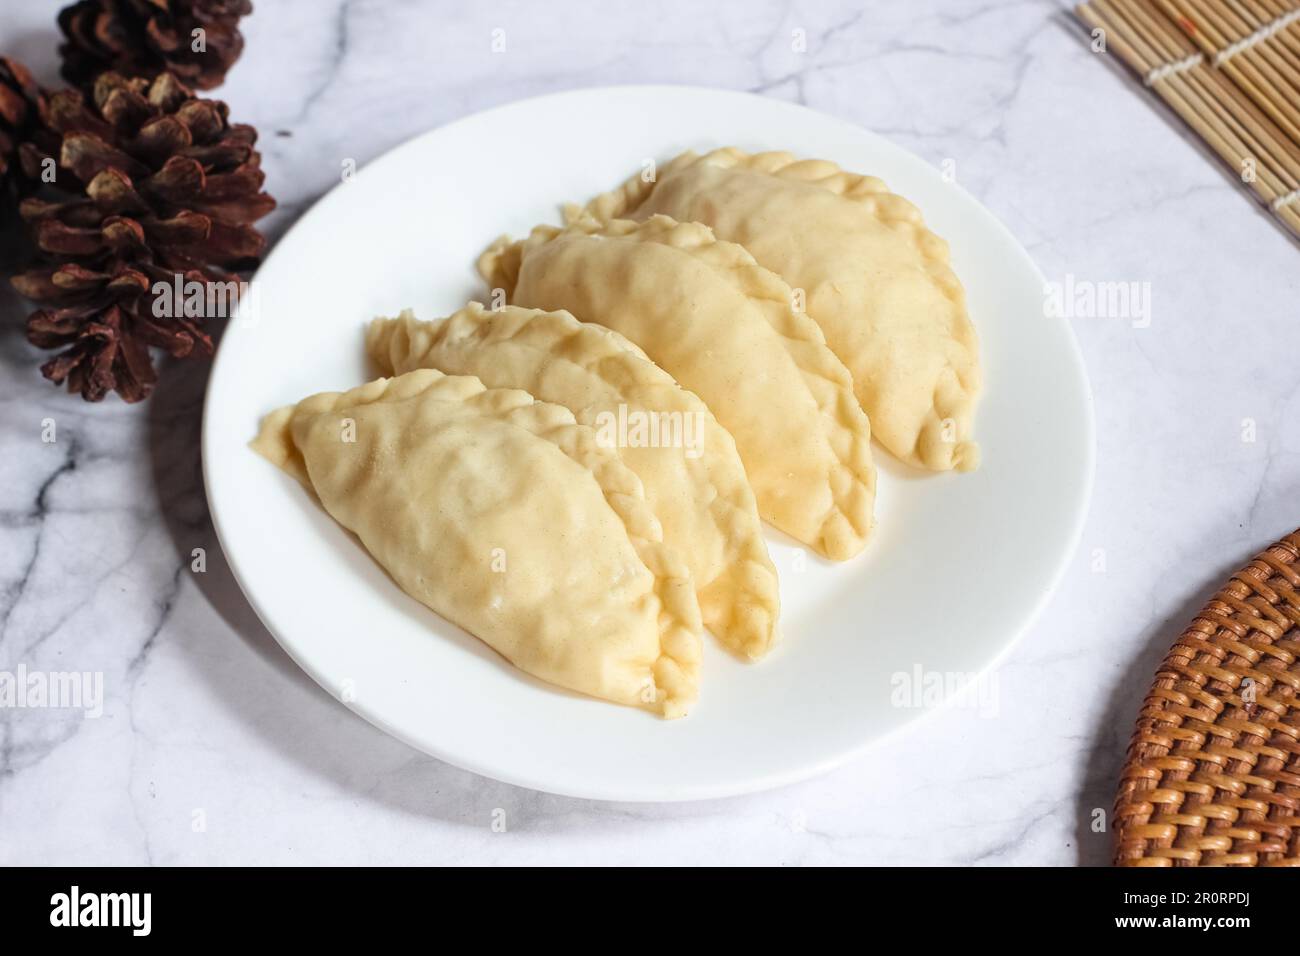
724	327
505	516
875	279
694	480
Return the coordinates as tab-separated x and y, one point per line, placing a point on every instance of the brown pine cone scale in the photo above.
21	101
148	37
153	187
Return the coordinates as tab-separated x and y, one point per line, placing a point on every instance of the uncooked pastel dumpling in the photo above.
694	480
504	515
723	327
875	279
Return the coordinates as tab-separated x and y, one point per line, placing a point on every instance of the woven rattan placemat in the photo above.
1230	69
1213	770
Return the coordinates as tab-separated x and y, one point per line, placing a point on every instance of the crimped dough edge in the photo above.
930	449
675	672
844	531
752	626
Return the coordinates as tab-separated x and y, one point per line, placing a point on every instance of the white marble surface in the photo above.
206	719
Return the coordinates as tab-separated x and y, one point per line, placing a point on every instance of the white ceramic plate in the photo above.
958	567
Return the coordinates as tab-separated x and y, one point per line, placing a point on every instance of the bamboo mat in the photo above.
1231	70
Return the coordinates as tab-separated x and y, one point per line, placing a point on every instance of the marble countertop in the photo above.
213	748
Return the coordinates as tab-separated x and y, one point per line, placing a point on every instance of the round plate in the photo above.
957	569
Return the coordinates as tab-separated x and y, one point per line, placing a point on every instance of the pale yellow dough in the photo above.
504	515
725	328
876	281
694	480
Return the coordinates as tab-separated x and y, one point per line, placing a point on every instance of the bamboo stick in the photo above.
1288	40
1256	15
1230	69
1186	87
1184	91
1172	88
1234	109
1206	25
1263	54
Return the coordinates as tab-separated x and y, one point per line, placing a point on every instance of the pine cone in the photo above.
20	105
146	37
156	188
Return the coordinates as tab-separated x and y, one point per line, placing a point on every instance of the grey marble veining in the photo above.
213	747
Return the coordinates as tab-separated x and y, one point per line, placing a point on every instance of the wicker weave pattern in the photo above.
1210	779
